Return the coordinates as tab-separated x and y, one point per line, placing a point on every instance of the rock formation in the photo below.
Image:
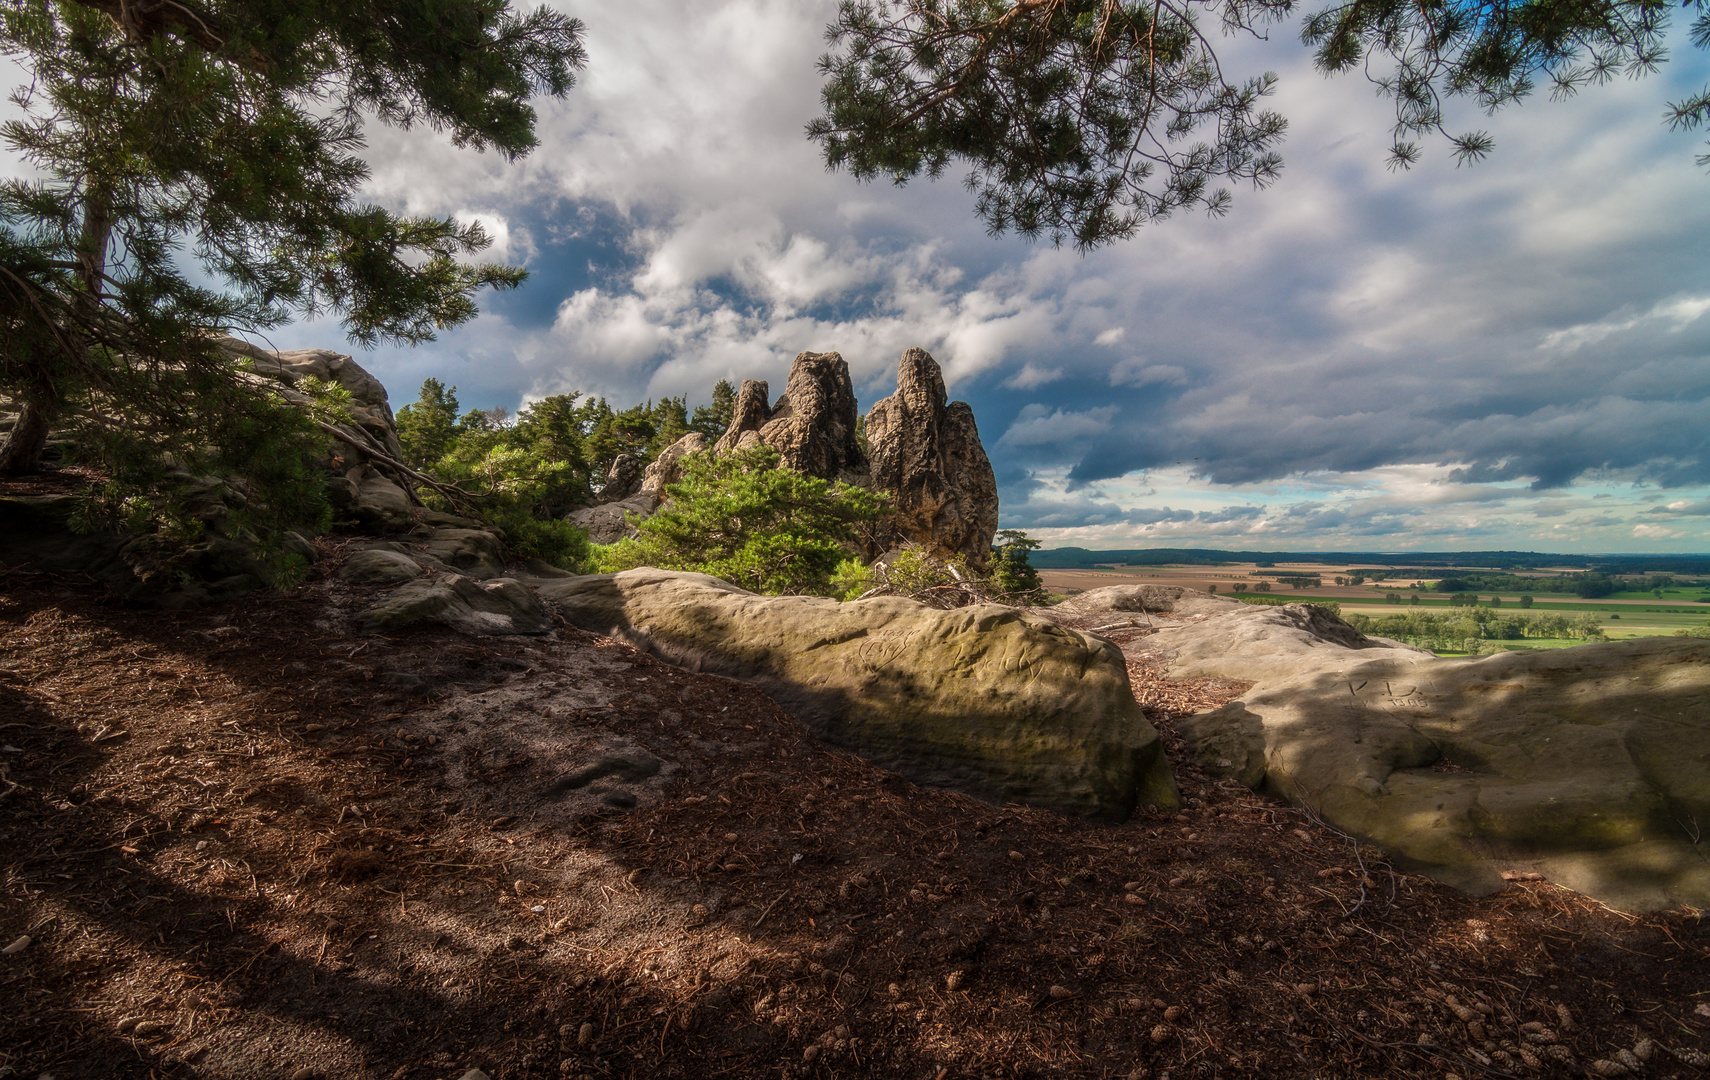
747	417
608	523
928	454
623	478
989	700
667	469
364	486
812	425
1589	766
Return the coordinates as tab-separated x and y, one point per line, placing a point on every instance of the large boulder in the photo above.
608	523
1216	639
928	455
499	607
623	478
1589	766
989	700
812	424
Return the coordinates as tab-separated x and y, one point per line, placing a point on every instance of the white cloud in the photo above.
1032	375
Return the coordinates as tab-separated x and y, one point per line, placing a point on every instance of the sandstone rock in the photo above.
369	405
1586	765
667	468
812	425
988	700
608	523
376	567
1257	643
623	479
474	553
499	607
1158	599
747	417
928	454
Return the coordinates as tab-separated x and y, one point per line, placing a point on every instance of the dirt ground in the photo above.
244	842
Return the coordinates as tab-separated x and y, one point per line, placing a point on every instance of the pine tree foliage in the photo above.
1083	120
740	517
199	164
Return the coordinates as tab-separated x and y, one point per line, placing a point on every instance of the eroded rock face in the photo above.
928	454
750	413
1577	764
812	425
667	469
623	478
498	607
608	523
989	700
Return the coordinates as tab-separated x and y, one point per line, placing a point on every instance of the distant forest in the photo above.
1075	558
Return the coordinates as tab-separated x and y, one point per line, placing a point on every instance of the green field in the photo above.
1619	621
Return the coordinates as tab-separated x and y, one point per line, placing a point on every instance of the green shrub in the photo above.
742	518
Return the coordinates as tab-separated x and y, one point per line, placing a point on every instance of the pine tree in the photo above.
226	134
712	420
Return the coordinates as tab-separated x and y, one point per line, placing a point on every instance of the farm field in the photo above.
1622	615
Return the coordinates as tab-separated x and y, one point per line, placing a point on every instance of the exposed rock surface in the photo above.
623	478
363	485
1162	599
607	523
1589	766
379	567
989	700
928	454
499	607
667	468
812	425
748	415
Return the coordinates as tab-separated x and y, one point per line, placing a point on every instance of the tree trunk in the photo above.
22	452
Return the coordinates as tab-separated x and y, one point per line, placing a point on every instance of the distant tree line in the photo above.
1462	630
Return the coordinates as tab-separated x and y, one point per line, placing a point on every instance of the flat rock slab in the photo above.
988	700
379	567
498	607
1589	766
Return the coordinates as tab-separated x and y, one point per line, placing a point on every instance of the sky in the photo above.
1511	355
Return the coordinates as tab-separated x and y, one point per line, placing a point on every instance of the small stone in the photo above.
17	946
1134	886
1017	856
730	838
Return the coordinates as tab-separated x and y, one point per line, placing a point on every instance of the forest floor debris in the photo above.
245	842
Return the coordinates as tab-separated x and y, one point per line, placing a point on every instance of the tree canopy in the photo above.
199	165
1083	120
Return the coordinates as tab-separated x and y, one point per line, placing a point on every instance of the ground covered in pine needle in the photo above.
245	842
